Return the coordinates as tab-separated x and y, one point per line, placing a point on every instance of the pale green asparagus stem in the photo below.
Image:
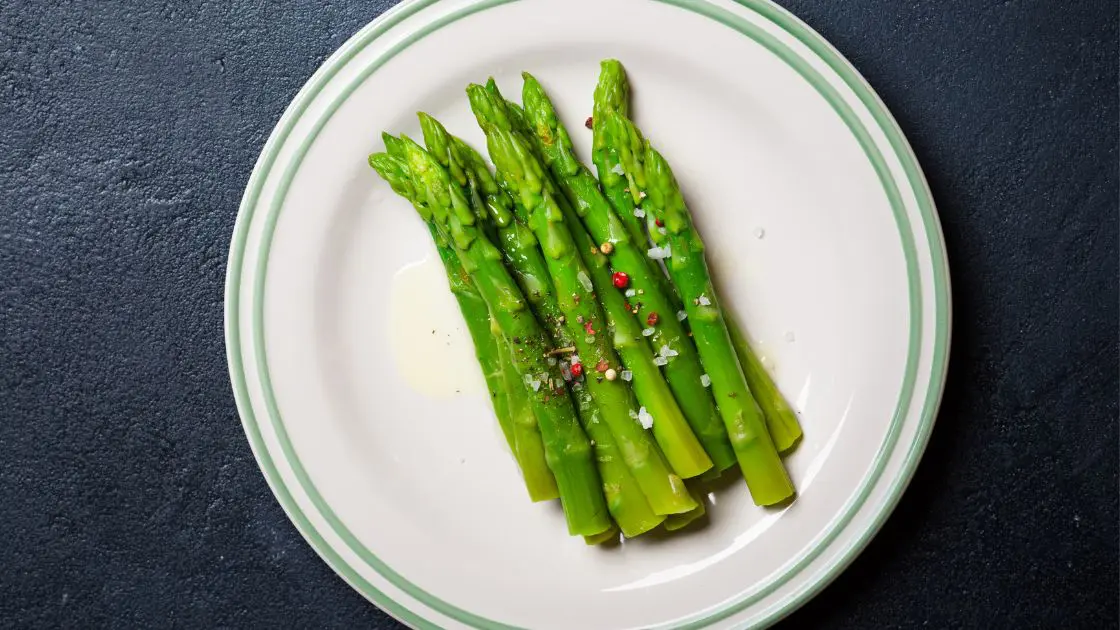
519	171
568	452
511	404
745	423
654	308
627	504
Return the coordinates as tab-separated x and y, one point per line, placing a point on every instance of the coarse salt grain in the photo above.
630	293
705	380
617	170
681	316
703	300
627	375
645	419
648	331
660	361
638	212
584	281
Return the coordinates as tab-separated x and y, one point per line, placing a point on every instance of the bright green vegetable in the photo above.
680	521
781	421
613	92
682	369
745	423
625	501
567	449
507	393
521	174
671	430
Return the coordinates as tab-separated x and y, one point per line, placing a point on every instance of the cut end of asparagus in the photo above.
608	537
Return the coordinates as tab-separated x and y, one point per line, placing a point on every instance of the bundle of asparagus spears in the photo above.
619	387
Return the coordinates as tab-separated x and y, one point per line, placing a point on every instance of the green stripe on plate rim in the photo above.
793	27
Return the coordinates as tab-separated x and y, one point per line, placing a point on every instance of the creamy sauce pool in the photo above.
432	349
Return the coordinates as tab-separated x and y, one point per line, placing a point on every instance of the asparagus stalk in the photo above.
654	307
745	423
517	242
567	450
508	395
671	430
524	178
613	92
781	421
625	500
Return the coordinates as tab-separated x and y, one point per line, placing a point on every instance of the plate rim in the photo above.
941	332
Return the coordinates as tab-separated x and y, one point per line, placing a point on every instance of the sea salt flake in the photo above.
645	419
705	380
585	281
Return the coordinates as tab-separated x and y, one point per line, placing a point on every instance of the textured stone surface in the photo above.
130	497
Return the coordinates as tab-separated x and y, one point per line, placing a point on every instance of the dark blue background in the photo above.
130	498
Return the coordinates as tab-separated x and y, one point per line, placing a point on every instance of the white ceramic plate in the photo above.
354	376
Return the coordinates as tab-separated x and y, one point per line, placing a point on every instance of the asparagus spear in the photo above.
613	92
745	423
567	450
781	420
654	307
672	431
524	178
507	393
625	501
516	240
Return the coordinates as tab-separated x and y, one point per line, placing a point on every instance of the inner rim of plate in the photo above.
711	11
